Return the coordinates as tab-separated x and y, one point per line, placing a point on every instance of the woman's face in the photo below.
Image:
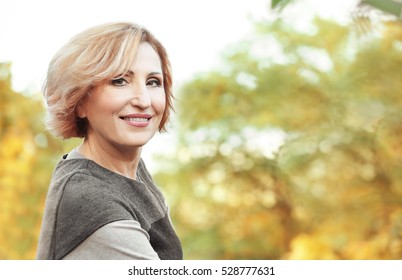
126	111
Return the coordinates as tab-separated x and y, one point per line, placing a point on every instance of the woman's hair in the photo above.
99	53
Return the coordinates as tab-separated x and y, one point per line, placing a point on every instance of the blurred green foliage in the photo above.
329	98
334	188
393	7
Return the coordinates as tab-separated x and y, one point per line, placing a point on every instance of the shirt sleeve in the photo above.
119	240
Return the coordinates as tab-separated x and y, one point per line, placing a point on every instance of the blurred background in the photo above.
287	137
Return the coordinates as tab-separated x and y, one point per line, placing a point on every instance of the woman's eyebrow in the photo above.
127	73
131	73
155	73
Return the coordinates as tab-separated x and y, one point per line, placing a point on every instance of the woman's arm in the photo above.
120	240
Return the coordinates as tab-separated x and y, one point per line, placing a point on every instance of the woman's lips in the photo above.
137	120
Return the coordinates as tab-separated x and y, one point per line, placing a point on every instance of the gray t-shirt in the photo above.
94	213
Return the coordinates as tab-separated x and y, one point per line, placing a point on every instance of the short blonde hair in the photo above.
96	54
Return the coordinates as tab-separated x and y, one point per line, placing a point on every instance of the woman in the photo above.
110	85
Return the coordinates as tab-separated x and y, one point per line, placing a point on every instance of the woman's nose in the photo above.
141	97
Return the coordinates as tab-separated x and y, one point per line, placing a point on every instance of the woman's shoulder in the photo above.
67	167
82	170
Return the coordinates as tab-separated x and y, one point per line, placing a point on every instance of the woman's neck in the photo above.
119	160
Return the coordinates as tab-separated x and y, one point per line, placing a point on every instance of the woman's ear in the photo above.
81	109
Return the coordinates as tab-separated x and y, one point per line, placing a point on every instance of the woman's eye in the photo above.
154	83
119	82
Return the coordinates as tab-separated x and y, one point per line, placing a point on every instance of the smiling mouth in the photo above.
144	120
137	120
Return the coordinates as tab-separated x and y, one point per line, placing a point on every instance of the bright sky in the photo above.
194	32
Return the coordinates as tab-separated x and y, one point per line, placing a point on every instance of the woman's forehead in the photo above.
146	59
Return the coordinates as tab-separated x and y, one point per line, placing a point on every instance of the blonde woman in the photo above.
110	85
